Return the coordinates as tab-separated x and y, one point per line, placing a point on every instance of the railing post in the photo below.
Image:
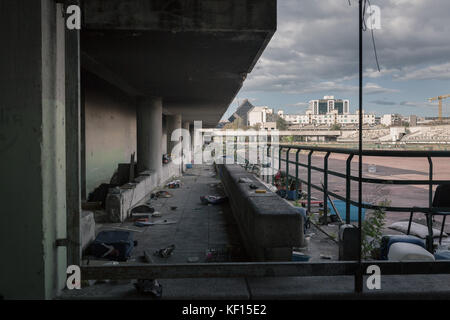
287	170
325	187
348	188
296	171
309	180
430	206
273	162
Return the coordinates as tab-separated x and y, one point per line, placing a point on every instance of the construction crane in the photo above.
439	98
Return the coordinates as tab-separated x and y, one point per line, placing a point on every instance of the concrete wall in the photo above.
110	121
32	149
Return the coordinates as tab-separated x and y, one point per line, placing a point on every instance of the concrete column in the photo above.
174	122
149	135
187	143
32	149
164	135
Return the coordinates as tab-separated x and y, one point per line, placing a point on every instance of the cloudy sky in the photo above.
314	52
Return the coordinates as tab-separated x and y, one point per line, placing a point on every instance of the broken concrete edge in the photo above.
118	205
269	227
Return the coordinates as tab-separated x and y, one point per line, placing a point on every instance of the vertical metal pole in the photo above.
358	275
430	206
296	172
348	188
325	187
287	170
273	162
309	180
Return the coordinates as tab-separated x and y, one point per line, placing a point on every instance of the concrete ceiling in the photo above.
196	67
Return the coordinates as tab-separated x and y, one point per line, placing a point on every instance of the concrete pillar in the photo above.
149	134
32	150
164	135
174	122
187	143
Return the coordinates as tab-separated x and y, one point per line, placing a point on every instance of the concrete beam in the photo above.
181	15
92	65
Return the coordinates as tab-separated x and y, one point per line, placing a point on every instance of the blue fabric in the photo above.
387	241
442	255
341	207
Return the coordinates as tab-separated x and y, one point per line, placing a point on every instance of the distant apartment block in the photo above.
391	120
328	111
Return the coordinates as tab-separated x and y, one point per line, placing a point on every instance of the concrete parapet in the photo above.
269	226
120	201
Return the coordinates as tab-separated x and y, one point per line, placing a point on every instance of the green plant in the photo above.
372	231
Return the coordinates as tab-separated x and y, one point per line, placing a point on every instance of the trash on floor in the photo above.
149	287
253	187
165	252
143	208
174	184
113	245
173	208
212	199
299	256
260	191
325	256
156	214
193	259
140	219
163	194
147	224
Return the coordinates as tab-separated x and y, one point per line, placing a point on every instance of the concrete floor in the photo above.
199	227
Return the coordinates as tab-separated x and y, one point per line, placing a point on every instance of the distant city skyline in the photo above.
314	53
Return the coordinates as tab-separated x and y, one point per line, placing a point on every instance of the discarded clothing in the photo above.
174	184
212	199
149	287
165	252
163	194
113	245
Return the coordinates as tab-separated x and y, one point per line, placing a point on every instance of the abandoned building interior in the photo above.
88	133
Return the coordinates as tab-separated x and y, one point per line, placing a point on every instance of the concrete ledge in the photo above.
118	204
269	226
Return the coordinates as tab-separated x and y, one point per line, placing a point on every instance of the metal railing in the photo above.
288	269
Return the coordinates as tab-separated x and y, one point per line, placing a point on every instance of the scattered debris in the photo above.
143	208
156	214
149	287
173	208
212	199
112	245
252	186
299	256
165	252
174	184
260	191
128	229
147	224
193	259
163	194
245	180
325	256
